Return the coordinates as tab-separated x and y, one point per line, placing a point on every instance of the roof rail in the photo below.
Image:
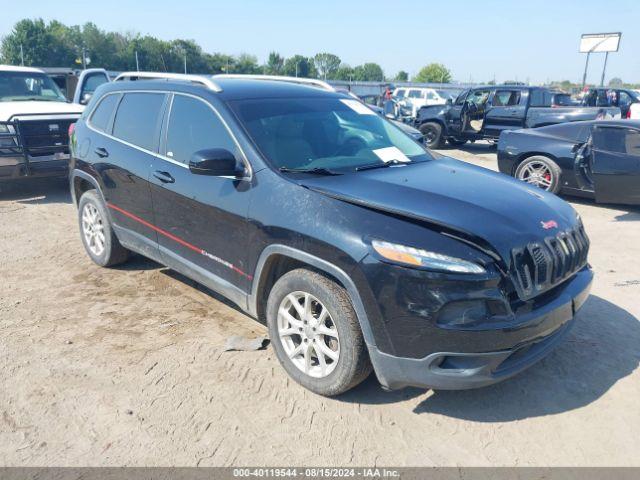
202	80
303	81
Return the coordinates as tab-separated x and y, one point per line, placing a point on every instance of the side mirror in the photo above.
215	162
85	98
449	101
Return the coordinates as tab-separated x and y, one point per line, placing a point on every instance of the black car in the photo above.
597	159
483	113
358	247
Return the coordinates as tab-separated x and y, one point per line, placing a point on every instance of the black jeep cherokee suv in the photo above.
358	247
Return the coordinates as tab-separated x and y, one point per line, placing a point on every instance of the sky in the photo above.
478	41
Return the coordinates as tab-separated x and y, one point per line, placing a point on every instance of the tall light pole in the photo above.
137	63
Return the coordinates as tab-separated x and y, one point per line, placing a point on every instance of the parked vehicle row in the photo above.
310	211
482	113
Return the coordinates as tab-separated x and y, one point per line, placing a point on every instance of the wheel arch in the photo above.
276	260
80	182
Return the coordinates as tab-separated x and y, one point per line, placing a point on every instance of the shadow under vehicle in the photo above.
596	159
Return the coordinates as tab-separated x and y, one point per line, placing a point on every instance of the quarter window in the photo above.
414	94
617	140
193	126
102	114
399	94
137	119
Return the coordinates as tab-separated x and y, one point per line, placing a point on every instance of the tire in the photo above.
454	142
432	132
349	362
96	231
547	176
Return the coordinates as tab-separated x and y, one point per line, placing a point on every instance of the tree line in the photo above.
33	42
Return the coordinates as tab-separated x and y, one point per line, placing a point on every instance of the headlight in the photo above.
422	258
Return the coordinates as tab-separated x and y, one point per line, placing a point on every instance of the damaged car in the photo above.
360	249
598	159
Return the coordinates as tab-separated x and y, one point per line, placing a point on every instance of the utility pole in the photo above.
21	55
296	69
137	64
84	58
586	66
606	57
185	63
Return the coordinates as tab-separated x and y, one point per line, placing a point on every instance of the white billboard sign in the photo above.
600	42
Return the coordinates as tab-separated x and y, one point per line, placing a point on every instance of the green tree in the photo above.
40	45
402	76
369	72
616	82
247	64
327	65
299	66
275	64
219	63
343	72
433	73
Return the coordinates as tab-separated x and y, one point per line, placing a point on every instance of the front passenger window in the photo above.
194	126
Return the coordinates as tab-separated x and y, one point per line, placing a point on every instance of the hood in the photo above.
12	109
494	211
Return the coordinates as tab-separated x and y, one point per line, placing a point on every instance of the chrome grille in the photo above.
540	266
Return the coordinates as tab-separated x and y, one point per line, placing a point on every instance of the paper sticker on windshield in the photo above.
391	154
358	107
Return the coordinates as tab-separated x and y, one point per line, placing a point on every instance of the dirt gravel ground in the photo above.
126	366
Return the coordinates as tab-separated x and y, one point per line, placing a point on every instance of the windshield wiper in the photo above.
380	165
314	171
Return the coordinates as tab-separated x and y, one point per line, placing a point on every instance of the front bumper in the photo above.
542	330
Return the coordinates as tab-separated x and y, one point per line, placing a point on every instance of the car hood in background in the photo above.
493	210
15	109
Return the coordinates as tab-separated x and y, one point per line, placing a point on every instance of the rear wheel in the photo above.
432	132
541	172
98	238
315	333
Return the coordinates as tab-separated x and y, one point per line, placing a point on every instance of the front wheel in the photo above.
432	132
315	333
541	172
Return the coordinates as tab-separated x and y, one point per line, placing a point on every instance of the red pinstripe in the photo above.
171	236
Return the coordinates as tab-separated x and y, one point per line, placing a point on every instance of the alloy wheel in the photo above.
308	334
93	229
537	174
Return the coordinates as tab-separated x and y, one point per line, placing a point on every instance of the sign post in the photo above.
598	43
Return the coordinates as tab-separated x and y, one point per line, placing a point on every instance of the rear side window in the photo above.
414	94
399	94
506	98
537	99
617	140
102	114
193	126
137	119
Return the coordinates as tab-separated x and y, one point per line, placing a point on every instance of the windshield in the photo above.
24	86
324	133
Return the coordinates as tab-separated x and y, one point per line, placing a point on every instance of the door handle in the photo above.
164	177
102	152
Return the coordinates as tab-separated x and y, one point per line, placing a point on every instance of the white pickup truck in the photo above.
34	123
